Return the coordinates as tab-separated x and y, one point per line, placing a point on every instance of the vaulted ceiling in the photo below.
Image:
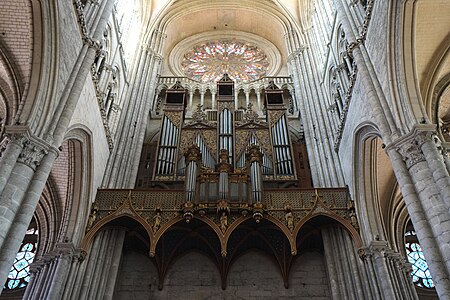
265	20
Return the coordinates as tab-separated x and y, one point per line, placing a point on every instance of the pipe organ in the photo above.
231	157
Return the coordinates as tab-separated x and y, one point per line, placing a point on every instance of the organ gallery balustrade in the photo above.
158	210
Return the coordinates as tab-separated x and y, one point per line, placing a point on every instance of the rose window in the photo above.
240	60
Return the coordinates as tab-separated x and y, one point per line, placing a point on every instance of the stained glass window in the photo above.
240	60
420	272
19	275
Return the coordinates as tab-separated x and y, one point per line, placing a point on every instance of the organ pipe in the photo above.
254	158
192	158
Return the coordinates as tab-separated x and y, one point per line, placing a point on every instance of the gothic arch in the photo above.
79	142
264	237
37	106
367	151
341	221
109	220
178	238
9	90
414	77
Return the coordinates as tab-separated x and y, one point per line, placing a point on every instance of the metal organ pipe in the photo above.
192	157
254	157
168	147
281	146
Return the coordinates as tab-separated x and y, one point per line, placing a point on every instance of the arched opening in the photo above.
182	238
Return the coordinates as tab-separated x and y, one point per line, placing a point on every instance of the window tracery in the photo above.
19	275
421	275
240	60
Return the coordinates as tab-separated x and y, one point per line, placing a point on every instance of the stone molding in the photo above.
61	251
87	40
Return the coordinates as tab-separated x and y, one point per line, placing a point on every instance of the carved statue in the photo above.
289	216
290	220
223	222
156	222
92	217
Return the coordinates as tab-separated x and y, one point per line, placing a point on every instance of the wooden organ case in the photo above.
222	186
228	159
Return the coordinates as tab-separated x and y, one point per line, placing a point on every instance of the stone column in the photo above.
375	95
373	275
191	99
258	99
50	273
213	98
247	97
423	180
202	97
33	164
97	274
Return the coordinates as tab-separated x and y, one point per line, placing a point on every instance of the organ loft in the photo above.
215	179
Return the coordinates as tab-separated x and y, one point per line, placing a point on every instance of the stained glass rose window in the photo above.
240	60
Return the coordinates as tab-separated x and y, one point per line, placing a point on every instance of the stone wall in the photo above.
193	276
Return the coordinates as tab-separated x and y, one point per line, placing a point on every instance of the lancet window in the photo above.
19	275
421	275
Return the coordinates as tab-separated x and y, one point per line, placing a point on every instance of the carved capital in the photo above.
411	154
32	154
410	145
33	148
379	247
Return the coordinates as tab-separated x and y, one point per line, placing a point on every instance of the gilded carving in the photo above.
274	116
250	115
289	216
193	154
176	117
158	208
223	222
156	221
199	115
241	141
92	217
254	154
187	140
210	139
264	141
